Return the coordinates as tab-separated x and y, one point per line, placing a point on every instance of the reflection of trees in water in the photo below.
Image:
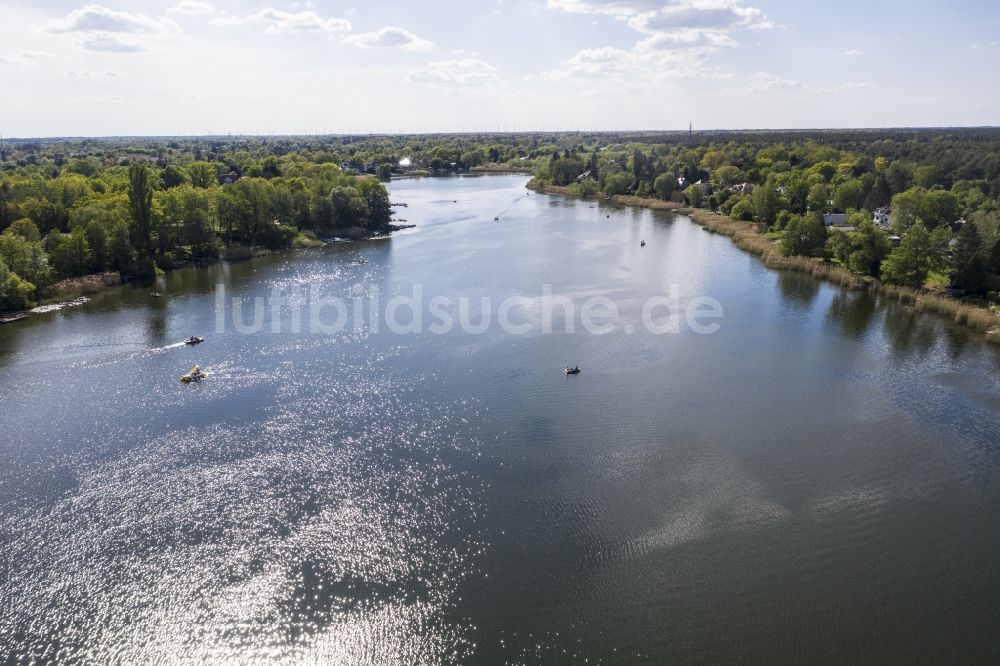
853	310
156	325
909	330
798	287
958	341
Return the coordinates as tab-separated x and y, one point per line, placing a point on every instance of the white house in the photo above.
882	217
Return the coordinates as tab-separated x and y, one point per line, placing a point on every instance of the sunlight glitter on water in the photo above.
314	534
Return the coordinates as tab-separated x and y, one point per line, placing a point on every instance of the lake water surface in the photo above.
819	480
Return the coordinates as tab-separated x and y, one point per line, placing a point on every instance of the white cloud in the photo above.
282	22
390	37
112	44
192	8
91	74
617	8
680	35
22	57
109	100
764	82
671	16
637	67
695	15
99	19
466	72
844	88
850	53
653	60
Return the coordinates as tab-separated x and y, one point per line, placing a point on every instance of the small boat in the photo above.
156	294
496	219
642	244
575	370
194	375
194	341
10	319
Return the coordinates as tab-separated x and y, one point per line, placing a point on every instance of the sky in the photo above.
196	67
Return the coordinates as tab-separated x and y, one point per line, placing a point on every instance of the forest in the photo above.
73	208
915	207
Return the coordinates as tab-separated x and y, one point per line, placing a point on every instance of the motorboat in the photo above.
194	375
194	341
575	370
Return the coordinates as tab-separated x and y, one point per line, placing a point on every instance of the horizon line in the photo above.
247	135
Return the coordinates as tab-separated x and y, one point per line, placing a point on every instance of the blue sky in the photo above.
218	66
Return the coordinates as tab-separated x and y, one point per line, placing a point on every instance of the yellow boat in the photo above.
195	375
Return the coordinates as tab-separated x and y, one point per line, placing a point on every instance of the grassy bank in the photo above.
747	237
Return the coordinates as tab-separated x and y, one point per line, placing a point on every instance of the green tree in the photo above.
378	209
849	195
839	246
617	183
994	259
97	240
907	208
121	254
939	208
694	196
766	203
26	229
926	176
70	254
968	261
805	235
742	210
24	257
140	204
912	261
869	248
349	208
664	186
202	175
818	198
174	176
15	292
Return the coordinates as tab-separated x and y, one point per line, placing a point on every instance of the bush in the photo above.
15	292
277	236
742	210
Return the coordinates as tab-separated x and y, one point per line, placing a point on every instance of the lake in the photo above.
817	480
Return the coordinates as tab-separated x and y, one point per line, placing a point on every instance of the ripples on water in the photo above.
319	531
816	482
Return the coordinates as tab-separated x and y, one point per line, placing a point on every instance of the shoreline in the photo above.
746	237
70	290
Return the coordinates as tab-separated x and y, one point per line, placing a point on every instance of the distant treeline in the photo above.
74	206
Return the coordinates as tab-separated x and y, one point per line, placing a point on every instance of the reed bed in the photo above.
80	286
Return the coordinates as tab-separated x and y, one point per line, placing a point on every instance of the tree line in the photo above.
62	218
937	190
